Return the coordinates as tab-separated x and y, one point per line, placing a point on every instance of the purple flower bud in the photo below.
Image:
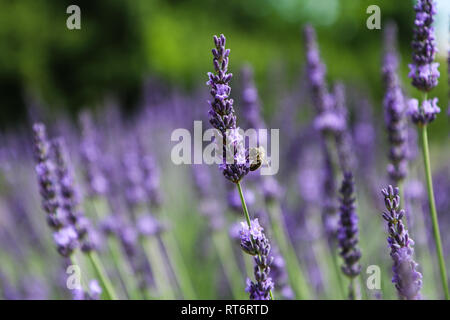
348	228
424	114
66	240
407	280
255	243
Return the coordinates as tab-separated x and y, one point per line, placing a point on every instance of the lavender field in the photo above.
345	198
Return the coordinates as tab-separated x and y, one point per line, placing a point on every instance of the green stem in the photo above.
231	269
156	259
293	268
103	277
124	270
247	217
337	269
177	263
434	218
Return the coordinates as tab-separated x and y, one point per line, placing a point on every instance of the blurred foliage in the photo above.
122	42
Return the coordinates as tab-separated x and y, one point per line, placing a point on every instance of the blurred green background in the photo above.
121	43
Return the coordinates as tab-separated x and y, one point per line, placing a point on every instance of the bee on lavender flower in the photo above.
257	157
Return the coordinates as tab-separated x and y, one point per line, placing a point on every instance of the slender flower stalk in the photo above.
424	73
407	280
222	118
348	233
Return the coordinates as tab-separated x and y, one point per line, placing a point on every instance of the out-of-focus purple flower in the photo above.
221	114
280	276
348	228
95	289
394	110
135	193
407	280
151	181
69	198
250	102
128	236
423	71
91	157
45	170
234	231
316	72
424	114
94	293
147	225
66	240
330	121
255	243
68	195
272	190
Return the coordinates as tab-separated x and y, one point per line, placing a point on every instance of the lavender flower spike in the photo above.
221	115
407	280
394	106
45	175
255	243
69	197
316	72
64	235
348	231
423	71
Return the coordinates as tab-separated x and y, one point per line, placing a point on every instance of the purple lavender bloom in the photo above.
342	136
147	225
255	243
316	72
46	177
94	293
90	154
394	109
272	191
249	234
328	120
279	275
348	228
68	197
151	183
66	240
407	280
424	114
135	193
221	114
250	101
423	71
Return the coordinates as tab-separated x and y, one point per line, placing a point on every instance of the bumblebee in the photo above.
257	156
